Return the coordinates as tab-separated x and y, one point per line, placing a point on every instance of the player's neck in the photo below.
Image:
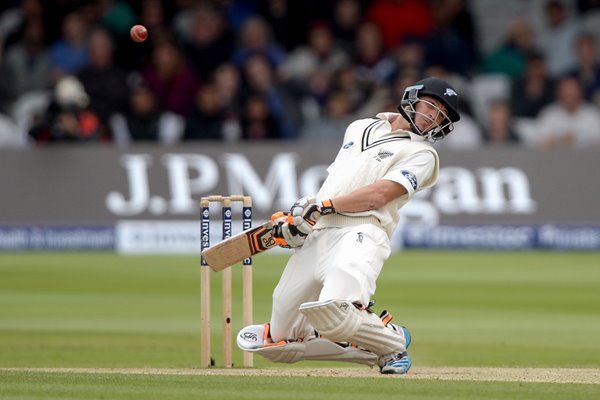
398	122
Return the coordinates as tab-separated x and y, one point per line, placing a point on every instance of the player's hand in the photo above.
286	235
307	211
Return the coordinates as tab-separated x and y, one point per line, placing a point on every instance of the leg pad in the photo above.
251	339
341	321
336	320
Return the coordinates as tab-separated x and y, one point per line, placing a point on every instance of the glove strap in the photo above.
327	207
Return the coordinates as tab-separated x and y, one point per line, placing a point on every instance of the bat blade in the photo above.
239	247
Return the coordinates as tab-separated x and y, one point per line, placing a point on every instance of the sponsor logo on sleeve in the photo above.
348	145
411	178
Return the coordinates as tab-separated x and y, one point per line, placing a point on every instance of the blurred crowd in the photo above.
231	70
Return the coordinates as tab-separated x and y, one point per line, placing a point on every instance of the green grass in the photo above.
524	309
130	387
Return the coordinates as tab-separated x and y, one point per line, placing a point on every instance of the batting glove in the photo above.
307	211
286	235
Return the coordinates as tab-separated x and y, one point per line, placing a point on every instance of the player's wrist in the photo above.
326	207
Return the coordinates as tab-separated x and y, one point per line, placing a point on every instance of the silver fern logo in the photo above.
450	92
383	154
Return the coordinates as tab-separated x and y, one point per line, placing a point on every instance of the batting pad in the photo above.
341	321
318	349
335	320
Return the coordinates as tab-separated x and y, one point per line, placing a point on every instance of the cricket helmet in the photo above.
439	90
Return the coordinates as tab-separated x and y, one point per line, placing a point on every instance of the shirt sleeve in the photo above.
412	172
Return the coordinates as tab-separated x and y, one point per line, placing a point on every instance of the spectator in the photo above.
532	91
239	12
398	18
308	72
409	55
258	122
331	126
210	43
463	22
373	66
14	19
499	129
363	103
91	12
227	82
27	63
144	120
261	85
347	17
155	14
207	119
288	20
67	118
509	57
587	70
557	38
255	38
171	78
183	19
570	120
104	82
314	93
319	56
452	44
347	81
69	54
117	16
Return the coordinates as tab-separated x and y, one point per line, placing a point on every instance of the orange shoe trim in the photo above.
387	319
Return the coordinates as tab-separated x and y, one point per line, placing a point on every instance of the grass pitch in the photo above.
110	386
480	309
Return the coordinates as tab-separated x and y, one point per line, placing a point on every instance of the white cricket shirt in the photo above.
372	152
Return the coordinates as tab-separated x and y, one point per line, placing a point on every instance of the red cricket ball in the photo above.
138	33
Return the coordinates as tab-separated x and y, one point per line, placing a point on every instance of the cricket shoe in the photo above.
398	364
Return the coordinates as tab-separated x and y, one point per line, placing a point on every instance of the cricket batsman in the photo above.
322	303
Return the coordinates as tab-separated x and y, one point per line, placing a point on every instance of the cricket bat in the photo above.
239	247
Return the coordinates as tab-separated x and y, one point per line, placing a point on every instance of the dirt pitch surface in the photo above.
535	375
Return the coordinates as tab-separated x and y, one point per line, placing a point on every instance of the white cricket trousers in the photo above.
334	263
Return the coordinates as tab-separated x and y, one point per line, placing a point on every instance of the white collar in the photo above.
400	132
